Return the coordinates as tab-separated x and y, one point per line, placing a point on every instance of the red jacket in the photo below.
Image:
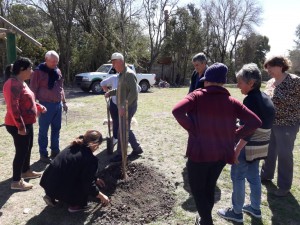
209	115
20	104
39	86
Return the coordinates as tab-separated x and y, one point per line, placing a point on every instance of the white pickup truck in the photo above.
91	80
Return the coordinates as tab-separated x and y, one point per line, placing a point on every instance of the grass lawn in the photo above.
164	143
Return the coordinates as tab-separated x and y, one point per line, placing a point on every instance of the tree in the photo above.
126	16
294	54
29	19
184	40
91	39
297	41
61	13
252	49
227	21
157	13
5	6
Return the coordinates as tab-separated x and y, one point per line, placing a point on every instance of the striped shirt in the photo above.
258	143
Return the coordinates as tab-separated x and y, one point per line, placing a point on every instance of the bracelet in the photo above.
64	102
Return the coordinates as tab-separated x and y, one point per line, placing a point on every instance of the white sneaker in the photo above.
21	185
31	174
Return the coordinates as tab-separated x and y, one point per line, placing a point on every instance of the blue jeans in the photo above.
51	118
239	172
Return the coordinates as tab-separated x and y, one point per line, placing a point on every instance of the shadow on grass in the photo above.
58	215
189	204
38	166
5	192
285	210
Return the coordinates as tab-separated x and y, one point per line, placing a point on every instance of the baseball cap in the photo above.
117	55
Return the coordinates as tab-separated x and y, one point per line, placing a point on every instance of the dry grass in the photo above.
164	143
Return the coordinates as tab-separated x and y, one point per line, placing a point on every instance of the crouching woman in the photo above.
71	176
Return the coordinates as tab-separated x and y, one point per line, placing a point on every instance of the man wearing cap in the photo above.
200	64
209	115
126	91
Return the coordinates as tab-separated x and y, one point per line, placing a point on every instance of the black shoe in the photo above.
281	193
53	155
49	201
45	159
117	158
137	151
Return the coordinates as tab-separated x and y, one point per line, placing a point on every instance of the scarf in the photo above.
52	74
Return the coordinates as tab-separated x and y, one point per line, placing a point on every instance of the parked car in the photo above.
91	80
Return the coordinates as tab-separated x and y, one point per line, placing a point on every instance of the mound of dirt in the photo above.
144	197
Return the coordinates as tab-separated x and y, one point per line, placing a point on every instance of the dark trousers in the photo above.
202	179
113	109
281	147
131	139
23	146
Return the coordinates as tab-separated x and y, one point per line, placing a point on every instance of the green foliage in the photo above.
89	54
29	19
35	53
294	56
185	37
86	33
252	49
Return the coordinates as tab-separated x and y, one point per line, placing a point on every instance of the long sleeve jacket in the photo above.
209	115
20	104
127	88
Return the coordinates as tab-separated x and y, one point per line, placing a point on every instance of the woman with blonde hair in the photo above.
71	176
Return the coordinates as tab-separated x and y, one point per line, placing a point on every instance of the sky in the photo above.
279	21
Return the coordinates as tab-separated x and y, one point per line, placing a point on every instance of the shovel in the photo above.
109	139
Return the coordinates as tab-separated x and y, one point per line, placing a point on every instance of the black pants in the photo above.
131	139
113	109
23	146
202	179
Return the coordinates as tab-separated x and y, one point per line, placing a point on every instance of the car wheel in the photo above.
144	86
96	88
85	89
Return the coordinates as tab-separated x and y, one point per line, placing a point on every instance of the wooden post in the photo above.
125	145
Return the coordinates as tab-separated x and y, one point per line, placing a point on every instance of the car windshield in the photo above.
103	69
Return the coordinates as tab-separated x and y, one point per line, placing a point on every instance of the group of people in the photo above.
268	123
71	174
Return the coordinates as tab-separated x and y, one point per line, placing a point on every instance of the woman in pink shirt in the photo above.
20	116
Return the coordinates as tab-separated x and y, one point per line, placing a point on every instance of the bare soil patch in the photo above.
144	197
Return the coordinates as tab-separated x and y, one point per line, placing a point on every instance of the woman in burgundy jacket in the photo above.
209	115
